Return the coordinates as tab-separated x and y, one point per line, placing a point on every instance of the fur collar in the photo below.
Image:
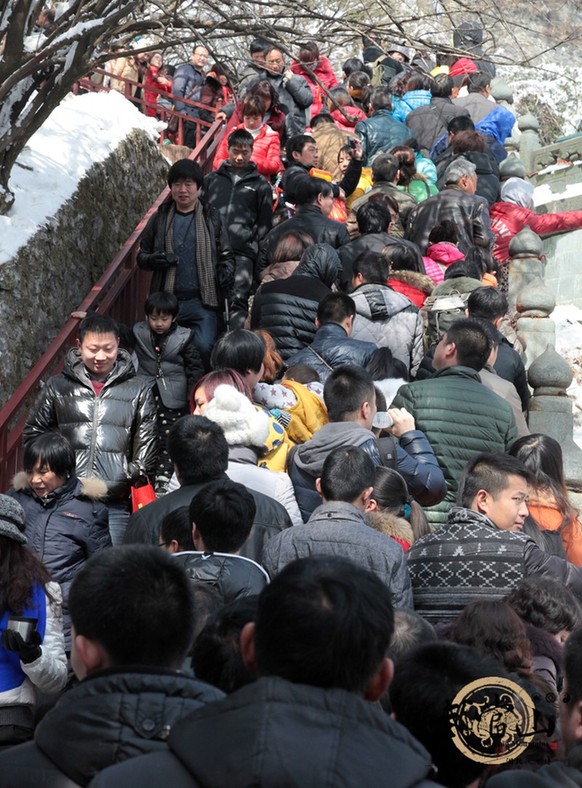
91	487
391	525
423	282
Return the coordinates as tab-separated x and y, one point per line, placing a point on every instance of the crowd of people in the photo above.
350	524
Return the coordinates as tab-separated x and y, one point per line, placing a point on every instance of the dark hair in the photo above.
340	96
418	81
542	456
325	622
345	391
488	472
478	81
186	169
20	572
382	364
373	267
407	163
352	64
391	494
573	666
493	627
52	450
301	373
467	268
346	473
198	449
291	245
373	217
135	601
546	603
442	86
387	200
403	257
460	123
295	144
410	630
309	52
240	349
177	526
490	330
162	303
445	230
323	117
380	98
306	190
223	512
358	80
384	167
466	141
264	90
422	691
97	324
472	343
487	302
252	105
216	656
335	307
258	45
240	137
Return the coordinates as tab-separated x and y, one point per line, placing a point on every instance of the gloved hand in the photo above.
159	260
28	652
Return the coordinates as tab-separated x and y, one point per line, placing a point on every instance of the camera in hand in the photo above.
352	143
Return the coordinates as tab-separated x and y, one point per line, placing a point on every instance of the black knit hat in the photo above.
11	519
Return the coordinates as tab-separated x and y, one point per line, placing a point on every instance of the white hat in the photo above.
241	422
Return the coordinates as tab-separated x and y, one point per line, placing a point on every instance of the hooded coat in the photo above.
287	308
514	212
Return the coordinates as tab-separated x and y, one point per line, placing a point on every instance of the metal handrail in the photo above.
120	292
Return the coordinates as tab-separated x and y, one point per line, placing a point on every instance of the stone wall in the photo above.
53	273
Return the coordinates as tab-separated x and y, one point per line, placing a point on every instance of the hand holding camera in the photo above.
28	650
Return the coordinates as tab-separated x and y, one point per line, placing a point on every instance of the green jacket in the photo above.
461	418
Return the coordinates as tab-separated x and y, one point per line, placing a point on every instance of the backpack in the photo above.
384	69
439	313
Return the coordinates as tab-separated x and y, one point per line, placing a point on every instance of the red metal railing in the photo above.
120	292
129	88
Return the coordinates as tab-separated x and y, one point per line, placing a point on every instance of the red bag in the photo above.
142	495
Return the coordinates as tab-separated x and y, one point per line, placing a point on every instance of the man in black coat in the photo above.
199	452
314	201
429	123
244	200
133	617
319	647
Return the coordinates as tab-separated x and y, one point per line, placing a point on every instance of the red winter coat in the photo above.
355	115
150	96
266	151
324	73
275	119
508	219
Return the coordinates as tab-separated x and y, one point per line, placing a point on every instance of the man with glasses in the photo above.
295	96
186	79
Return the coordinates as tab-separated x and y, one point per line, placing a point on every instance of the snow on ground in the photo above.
85	129
82	131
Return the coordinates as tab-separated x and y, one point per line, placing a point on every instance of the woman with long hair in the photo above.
392	511
549	504
32	650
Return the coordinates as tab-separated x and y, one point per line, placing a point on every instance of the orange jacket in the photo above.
547	515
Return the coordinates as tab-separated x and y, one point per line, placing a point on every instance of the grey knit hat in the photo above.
11	519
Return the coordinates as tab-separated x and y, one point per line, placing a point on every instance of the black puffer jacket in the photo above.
109	717
371	242
64	529
233	576
287	308
308	219
283	734
113	435
153	241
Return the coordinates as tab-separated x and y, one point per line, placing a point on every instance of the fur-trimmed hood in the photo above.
389	524
421	281
89	487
